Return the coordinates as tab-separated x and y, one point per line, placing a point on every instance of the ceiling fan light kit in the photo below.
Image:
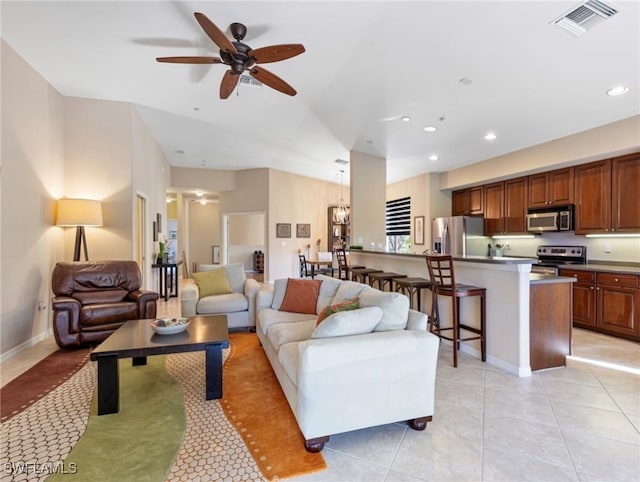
240	57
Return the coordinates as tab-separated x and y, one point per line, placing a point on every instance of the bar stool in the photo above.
383	278
443	282
344	269
361	275
412	287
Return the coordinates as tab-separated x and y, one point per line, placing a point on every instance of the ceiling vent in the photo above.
585	16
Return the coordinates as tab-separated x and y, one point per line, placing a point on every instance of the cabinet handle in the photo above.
590	287
616	279
598	289
607	229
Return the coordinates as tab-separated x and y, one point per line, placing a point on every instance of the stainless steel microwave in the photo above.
559	218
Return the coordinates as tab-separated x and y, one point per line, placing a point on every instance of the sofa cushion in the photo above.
331	309
279	288
282	333
352	322
328	290
301	296
234	271
268	317
288	355
102	296
395	308
348	290
211	283
229	303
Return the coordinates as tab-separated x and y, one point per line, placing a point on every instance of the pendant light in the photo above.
341	213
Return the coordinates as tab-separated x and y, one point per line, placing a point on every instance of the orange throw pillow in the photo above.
301	296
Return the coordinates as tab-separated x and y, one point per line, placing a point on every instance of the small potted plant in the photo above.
163	254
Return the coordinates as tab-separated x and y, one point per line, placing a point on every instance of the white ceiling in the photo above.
366	64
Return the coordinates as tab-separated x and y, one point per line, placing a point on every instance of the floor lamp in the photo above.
79	213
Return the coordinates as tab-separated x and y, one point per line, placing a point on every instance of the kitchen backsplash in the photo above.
622	249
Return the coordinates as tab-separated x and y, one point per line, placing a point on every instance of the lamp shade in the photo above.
79	212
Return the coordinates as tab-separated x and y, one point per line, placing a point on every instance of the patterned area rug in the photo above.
35	440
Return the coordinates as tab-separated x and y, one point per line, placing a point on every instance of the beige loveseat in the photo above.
239	306
370	366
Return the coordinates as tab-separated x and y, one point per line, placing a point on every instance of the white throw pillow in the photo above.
352	322
395	307
348	290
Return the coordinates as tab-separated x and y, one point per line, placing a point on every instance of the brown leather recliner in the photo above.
94	298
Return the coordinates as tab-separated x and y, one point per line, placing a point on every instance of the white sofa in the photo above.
239	306
337	384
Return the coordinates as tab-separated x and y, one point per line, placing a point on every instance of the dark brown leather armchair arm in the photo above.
66	321
146	301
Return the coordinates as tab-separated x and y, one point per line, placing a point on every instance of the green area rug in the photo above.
140	442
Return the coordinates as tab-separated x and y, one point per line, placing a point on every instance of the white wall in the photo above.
296	199
31	180
53	147
368	200
617	138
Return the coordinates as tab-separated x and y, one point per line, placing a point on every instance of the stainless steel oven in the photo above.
550	257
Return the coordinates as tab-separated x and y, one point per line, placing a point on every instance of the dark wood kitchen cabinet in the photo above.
549	324
606	302
515	205
553	188
607	196
467	202
494	208
505	207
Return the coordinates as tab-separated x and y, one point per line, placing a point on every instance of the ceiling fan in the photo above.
240	57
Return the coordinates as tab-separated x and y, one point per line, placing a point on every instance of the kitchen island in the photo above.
508	285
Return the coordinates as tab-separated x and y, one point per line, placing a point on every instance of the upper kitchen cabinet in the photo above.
494	208
505	207
467	202
553	188
607	196
625	193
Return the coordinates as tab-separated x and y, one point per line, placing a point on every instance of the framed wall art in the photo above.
418	230
303	230
159	222
283	230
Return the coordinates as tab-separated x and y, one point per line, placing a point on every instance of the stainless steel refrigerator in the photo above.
459	236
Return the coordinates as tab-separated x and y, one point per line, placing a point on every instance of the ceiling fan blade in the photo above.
272	80
215	34
190	60
274	53
229	82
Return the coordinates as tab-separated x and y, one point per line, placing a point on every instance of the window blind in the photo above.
399	217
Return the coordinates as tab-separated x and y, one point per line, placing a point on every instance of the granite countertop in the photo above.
470	259
539	279
631	268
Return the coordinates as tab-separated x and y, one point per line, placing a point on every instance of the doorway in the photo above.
243	239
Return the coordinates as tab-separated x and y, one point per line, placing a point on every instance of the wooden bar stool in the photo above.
383	278
361	275
412	287
344	269
443	282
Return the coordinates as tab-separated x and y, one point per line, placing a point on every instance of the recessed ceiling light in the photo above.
199	193
489	136
618	90
430	129
405	118
203	201
433	157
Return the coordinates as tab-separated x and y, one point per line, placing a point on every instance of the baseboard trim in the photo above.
23	346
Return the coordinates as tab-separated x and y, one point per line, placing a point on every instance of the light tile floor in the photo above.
580	423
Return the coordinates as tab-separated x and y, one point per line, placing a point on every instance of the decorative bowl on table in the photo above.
169	326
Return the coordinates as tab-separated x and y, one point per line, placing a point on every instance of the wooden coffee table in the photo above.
137	340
